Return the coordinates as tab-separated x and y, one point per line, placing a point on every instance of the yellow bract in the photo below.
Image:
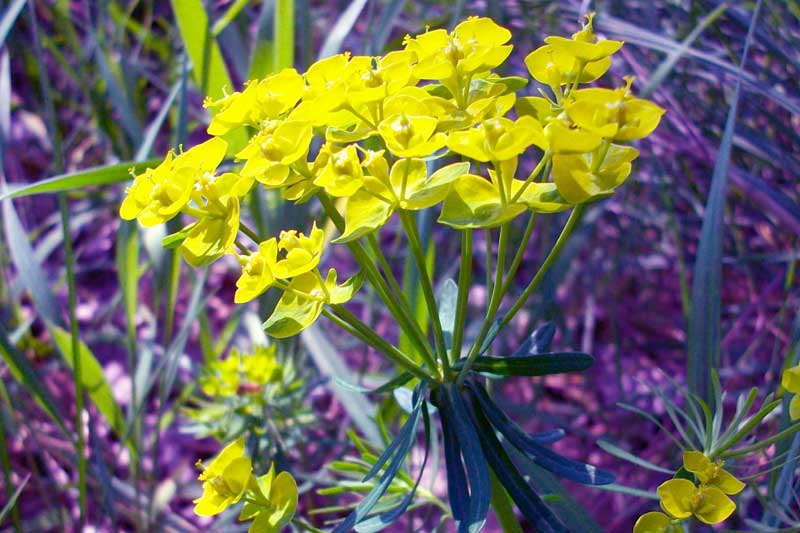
224	480
257	272
302	254
791	382
655	522
158	194
584	45
498	139
411	136
270	153
584	177
273	503
681	499
710	473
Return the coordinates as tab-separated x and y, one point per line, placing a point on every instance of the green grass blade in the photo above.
153	128
262	58
208	67
665	68
84	178
284	34
385	25
231	13
22	371
94	380
705	317
13	500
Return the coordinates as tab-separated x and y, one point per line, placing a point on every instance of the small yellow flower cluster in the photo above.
681	499
270	500
791	382
240	372
381	122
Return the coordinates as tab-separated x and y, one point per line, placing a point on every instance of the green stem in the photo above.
410	224
501	505
381	288
519	256
532	176
249	232
195	212
494	300
403	305
464	283
572	222
350	323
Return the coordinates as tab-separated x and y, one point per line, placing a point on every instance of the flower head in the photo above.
225	480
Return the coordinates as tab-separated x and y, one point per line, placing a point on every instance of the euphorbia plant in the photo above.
373	137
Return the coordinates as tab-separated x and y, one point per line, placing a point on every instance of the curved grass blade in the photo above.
544	457
9	18
84	178
12	501
459	499
705	317
625	455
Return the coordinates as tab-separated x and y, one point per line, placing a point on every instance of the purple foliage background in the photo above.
616	293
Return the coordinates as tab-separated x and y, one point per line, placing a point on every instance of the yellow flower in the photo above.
711	474
257	274
584	45
476	45
410	135
225	480
212	236
556	66
655	522
302	254
613	114
407	186
274	502
269	153
579	180
267	99
563	138
302	302
222	376
680	498
158	194
497	139
260	367
373	80
791	382
342	174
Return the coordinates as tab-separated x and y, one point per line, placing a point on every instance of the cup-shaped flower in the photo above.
584	45
579	179
257	275
273	503
269	153
680	498
261	367
556	66
342	174
655	522
791	382
379	78
212	236
225	480
562	137
158	194
711	473
475	45
302	253
326	91
407	186
411	135
498	139
613	113
303	299
267	99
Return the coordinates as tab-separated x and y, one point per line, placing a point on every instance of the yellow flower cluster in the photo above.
382	123
791	382
270	500
240	372
681	499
